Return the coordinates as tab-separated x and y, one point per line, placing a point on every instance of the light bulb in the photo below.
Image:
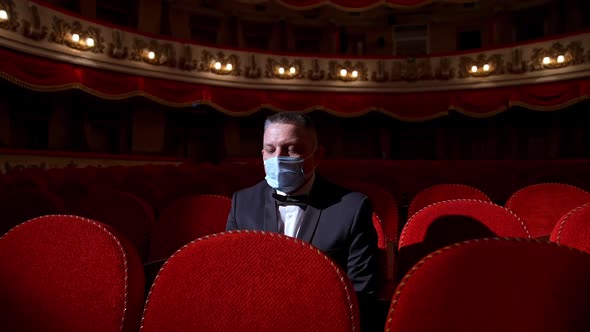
281	70
229	66
292	70
560	59
75	38
546	60
3	15
217	65
151	55
355	73
343	72
90	42
474	69
486	67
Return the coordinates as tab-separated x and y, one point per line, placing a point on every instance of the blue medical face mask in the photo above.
285	174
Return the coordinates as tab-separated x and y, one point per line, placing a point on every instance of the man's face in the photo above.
288	140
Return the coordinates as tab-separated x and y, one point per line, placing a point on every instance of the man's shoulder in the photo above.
257	188
339	192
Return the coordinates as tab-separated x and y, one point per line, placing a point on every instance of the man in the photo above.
295	201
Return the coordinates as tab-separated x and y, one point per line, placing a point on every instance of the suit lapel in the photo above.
271	223
313	212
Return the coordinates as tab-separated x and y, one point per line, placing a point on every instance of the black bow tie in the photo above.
302	200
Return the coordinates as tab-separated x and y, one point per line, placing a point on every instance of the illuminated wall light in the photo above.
90	42
229	66
3	15
281	70
343	72
292	70
217	65
560	59
151	55
546	60
474	69
75	38
486	67
355	73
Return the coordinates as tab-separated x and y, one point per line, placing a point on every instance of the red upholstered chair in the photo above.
250	281
444	223
126	213
573	230
66	273
187	219
444	192
17	206
509	285
540	206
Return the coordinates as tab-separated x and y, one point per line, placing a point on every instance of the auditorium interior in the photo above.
127	126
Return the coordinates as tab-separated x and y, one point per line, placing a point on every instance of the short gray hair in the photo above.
294	118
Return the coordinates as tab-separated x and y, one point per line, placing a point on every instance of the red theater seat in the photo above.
444	192
123	211
65	273
17	206
540	206
444	223
509	285
187	219
573	230
250	281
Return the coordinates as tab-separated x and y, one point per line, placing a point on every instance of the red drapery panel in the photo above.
356	4
41	74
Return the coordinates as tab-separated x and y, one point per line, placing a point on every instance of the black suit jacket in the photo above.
337	221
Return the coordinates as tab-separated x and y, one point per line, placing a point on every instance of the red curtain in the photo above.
41	74
356	4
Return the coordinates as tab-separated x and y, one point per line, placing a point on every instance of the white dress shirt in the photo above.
291	216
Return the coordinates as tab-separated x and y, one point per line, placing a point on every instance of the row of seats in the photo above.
67	273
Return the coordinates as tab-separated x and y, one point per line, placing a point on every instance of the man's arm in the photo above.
231	218
362	255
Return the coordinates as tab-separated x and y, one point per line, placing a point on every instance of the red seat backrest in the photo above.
17	206
444	223
126	213
510	285
66	273
187	219
250	281
444	192
540	206
573	230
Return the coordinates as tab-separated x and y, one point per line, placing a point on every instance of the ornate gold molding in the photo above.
220	63
348	71
284	69
557	56
481	66
8	15
154	53
34	29
412	70
75	36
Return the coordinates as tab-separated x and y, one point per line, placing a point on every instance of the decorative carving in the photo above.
517	65
116	49
348	71
153	53
481	66
381	75
411	71
186	61
284	69
75	36
220	63
10	22
252	69
34	29
315	73
557	56
445	71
